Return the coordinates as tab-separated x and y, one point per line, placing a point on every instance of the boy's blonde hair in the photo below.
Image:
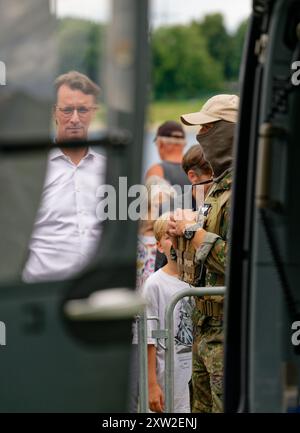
160	225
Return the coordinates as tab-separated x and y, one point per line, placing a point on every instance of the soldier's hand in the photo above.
179	221
188	216
175	229
156	398
172	228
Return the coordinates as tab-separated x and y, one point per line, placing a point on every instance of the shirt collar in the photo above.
56	153
91	152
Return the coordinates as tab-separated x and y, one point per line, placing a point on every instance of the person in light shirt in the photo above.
66	231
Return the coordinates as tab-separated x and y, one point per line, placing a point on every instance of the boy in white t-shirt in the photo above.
158	291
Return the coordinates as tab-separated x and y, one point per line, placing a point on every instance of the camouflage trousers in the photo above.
207	374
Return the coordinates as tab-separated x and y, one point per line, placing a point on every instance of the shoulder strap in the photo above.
213	220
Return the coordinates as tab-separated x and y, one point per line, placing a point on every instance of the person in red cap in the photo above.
170	141
217	121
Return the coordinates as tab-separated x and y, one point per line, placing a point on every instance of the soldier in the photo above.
217	121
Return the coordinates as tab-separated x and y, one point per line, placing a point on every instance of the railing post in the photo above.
169	328
143	362
168	335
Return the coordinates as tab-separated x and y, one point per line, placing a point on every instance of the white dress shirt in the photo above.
66	231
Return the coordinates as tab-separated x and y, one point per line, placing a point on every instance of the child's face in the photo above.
164	245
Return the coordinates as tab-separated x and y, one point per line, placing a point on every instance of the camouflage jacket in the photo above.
213	251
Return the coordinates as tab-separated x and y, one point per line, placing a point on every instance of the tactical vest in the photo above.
188	269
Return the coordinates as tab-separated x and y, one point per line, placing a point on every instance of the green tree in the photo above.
80	46
224	48
213	29
237	44
182	66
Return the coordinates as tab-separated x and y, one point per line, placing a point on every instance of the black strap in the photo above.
204	182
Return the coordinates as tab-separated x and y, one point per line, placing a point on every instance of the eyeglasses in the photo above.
82	111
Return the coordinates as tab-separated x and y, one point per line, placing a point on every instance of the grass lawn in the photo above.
160	111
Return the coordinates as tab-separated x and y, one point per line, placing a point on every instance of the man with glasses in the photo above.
66	231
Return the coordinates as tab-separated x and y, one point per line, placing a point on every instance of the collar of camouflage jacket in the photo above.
224	182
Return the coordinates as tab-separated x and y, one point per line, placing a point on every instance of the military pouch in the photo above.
188	269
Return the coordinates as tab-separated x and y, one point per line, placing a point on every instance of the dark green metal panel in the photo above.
52	363
46	368
259	317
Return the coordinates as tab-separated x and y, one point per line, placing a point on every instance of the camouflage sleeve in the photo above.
205	248
216	260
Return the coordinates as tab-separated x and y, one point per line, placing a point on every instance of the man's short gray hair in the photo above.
77	81
173	141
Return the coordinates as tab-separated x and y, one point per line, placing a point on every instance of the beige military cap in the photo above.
219	107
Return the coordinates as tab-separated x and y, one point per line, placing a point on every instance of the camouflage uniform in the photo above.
207	376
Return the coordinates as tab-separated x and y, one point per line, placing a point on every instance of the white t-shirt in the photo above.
158	290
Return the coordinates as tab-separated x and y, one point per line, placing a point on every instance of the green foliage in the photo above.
188	61
213	29
237	44
224	48
80	46
182	66
196	59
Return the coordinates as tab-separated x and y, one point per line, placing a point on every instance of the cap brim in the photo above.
197	118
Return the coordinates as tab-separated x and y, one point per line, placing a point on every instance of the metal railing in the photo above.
168	335
143	362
